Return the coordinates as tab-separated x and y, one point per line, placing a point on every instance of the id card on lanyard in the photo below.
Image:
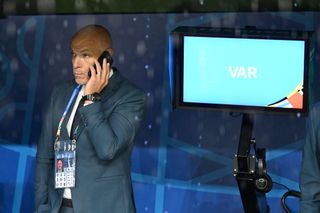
65	153
65	164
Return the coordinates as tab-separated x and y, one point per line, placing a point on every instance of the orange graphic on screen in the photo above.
293	100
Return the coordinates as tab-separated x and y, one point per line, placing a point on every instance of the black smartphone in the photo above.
103	55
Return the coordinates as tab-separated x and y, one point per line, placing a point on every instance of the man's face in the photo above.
81	61
87	45
59	165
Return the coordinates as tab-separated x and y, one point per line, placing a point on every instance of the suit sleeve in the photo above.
310	173
44	159
110	134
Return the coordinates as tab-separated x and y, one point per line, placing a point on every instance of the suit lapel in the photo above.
113	85
79	130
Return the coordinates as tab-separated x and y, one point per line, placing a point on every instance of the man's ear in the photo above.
110	50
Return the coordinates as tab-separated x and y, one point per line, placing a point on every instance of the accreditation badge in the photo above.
65	163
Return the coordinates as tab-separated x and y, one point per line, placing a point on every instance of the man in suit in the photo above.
310	172
102	120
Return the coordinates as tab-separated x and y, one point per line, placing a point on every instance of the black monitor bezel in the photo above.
176	65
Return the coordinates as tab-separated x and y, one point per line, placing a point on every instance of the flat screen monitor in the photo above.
245	70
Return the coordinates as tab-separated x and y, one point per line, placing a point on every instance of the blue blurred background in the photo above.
183	159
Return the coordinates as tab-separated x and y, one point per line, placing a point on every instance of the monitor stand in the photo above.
253	201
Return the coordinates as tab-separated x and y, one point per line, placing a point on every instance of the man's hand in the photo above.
99	78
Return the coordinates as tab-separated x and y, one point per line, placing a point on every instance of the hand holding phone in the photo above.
106	55
98	80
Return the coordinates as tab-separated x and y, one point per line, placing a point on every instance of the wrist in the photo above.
90	98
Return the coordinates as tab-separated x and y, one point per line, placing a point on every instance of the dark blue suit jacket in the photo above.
310	173
104	146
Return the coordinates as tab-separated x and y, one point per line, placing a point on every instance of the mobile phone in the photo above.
103	55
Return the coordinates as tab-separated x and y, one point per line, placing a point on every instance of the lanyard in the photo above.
73	96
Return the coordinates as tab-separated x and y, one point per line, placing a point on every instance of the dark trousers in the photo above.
66	210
